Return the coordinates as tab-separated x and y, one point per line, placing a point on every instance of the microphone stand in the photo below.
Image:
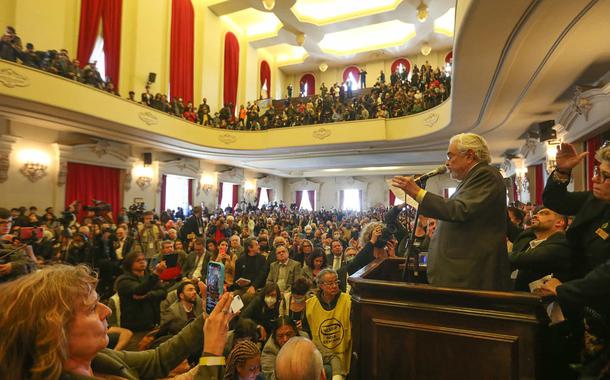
411	255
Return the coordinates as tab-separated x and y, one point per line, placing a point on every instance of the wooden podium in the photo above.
416	331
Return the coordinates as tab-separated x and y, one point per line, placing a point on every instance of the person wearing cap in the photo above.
14	260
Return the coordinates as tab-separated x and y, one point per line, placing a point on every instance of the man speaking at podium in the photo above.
468	249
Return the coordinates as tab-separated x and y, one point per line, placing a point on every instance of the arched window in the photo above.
401	65
353	74
265	80
308	85
449	57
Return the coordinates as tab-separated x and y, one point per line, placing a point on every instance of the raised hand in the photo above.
567	158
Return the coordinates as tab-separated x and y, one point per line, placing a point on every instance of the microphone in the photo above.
442	169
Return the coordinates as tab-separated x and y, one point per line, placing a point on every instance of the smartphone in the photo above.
171	260
222	250
215	284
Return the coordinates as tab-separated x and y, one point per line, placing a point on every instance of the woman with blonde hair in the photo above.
53	326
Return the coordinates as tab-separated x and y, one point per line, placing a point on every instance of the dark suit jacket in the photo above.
188	266
191	226
468	249
174	318
592	252
551	256
293	272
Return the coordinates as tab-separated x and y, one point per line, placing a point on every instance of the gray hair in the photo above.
603	153
367	231
299	359
324	272
471	141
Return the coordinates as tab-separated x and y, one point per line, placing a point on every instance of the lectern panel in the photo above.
422	351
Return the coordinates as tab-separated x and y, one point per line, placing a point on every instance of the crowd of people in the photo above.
403	94
56	62
289	267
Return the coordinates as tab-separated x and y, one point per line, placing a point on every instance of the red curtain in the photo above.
258	196
401	61
539	183
220	192
269	193
310	80
341	199
88	182
231	71
312	199
163	192
191	181
392	198
90	13
592	145
355	73
266	78
181	50
235	195
111	21
449	57
299	198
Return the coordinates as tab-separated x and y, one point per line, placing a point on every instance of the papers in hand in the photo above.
553	310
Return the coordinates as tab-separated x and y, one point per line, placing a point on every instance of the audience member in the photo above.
284	271
244	362
542	250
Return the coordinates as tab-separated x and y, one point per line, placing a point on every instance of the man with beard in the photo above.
187	307
541	250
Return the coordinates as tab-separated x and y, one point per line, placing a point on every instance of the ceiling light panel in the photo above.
446	23
255	24
285	54
323	12
367	38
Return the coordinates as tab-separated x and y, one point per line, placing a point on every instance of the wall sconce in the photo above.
35	164
249	188
207	183
143	174
551	153
422	12
521	176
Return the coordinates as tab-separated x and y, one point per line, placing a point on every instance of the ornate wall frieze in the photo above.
321	133
11	78
148	117
430	120
227	138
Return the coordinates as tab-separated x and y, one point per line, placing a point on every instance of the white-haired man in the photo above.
468	249
299	359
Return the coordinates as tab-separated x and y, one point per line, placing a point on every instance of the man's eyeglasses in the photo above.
597	172
331	283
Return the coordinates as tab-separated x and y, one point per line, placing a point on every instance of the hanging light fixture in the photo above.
426	48
422	12
323	66
300	37
268	4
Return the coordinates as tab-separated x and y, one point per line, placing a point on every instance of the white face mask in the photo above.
270	301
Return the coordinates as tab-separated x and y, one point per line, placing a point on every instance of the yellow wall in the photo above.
47	24
7	14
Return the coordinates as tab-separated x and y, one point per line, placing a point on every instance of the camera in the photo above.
136	211
386	235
